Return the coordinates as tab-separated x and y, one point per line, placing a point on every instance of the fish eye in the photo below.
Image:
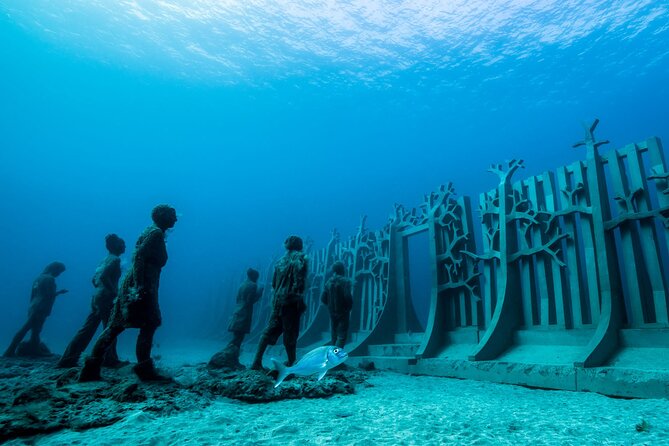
336	350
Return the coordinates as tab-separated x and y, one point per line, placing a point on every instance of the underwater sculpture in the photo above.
339	300
240	325
42	298
105	282
319	360
136	305
288	283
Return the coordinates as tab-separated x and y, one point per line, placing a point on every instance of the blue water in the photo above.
257	120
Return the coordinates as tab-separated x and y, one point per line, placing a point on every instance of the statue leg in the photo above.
18	337
145	368
93	364
80	341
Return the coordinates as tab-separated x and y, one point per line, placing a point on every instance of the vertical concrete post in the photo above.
508	314
605	340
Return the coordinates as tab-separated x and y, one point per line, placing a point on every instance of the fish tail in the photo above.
283	372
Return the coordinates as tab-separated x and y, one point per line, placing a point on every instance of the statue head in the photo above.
115	244
339	268
54	269
164	216
293	243
252	274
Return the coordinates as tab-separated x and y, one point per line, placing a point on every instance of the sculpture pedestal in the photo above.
228	358
32	350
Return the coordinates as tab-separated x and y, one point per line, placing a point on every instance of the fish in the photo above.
319	360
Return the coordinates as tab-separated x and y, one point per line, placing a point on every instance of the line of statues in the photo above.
135	304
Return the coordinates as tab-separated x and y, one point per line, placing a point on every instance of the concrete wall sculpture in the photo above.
566	288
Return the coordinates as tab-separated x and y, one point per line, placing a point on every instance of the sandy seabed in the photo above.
397	409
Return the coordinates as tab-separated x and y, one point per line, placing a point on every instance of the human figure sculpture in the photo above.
288	284
240	324
136	305
105	281
337	297
42	298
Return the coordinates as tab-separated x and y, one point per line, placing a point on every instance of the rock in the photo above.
187	376
67	377
250	386
139	417
129	394
257	387
367	365
36	399
39	392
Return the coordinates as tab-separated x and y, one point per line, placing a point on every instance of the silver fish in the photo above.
319	360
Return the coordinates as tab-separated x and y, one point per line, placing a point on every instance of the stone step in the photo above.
396	364
352	337
393	350
409	338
